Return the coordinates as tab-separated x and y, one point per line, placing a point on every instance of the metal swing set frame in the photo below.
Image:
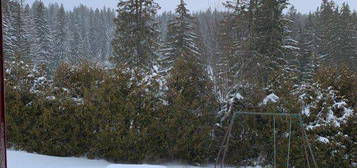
307	146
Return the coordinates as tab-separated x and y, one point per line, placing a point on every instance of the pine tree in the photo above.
354	58
76	44
190	110
60	37
42	49
327	31
29	33
346	42
135	39
261	49
190	93
228	64
182	39
291	52
22	44
94	22
269	32
9	31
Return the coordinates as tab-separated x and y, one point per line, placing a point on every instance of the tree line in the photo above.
168	84
51	35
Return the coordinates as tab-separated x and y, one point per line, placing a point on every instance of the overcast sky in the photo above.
302	5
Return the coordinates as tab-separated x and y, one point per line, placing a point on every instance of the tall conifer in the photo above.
136	38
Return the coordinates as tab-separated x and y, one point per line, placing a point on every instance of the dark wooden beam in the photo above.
3	159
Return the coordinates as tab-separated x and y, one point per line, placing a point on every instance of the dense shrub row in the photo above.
127	115
116	114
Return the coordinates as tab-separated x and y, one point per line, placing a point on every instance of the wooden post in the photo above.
3	160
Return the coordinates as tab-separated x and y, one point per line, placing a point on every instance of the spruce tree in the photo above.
228	61
346	42
136	37
191	109
327	31
94	36
60	35
76	44
191	104
181	39
261	48
29	33
9	31
269	35
291	50
354	58
42	51
22	36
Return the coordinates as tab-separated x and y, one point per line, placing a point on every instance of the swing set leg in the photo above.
224	148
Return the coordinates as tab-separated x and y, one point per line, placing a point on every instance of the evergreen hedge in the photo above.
124	116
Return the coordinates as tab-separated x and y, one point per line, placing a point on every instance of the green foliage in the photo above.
116	114
183	40
127	114
191	107
135	40
332	111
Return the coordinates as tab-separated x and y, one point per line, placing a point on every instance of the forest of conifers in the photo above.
133	85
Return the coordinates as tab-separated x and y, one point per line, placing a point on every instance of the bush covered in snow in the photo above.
329	109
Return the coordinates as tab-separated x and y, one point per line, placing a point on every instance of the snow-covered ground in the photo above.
19	159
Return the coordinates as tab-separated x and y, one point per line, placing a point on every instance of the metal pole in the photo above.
289	144
308	143
274	142
3	161
227	142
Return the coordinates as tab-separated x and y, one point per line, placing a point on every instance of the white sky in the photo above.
195	5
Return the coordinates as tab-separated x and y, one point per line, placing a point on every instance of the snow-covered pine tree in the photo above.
102	36
42	48
76	44
22	44
269	35
9	31
226	57
261	48
207	29
346	45
60	35
308	43
135	40
93	32
181	39
29	33
354	58
51	14
190	95
291	52
109	31
326	30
